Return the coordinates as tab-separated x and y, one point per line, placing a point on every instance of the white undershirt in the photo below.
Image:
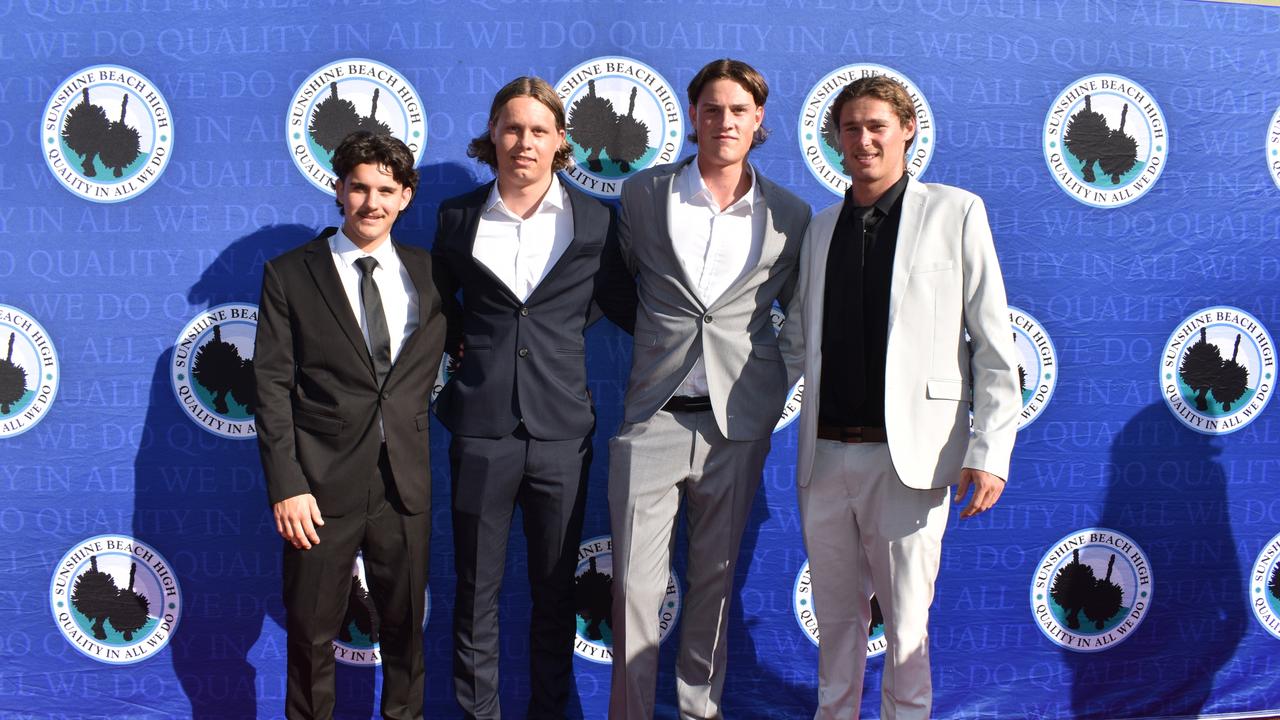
520	251
715	247
399	296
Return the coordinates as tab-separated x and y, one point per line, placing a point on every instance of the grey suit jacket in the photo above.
746	377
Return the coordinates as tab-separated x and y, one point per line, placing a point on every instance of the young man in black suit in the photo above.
521	254
350	335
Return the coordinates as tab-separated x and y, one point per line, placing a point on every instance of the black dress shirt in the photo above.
855	322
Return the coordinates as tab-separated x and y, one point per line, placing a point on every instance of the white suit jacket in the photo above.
946	280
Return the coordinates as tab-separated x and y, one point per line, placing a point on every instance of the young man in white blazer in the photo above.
906	328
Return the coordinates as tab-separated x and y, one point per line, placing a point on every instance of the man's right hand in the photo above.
296	520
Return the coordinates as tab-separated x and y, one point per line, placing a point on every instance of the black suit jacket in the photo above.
525	361
318	398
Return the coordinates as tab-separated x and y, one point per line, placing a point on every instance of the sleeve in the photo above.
792	299
615	283
446	282
993	362
274	378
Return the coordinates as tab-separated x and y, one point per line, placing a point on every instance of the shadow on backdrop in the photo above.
1168	492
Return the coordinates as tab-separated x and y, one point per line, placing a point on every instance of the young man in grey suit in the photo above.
891	280
713	244
521	256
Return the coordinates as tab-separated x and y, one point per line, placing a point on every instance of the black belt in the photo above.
852	433
683	403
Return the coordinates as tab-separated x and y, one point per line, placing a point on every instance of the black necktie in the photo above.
375	320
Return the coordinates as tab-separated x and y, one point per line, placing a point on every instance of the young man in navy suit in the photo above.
350	334
521	256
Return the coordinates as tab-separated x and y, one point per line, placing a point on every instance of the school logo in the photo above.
1218	370
790	410
1091	590
347	96
29	372
819	131
1273	147
357	641
593	598
802	603
622	117
1105	141
1037	365
107	133
212	369
448	366
115	599
1264	587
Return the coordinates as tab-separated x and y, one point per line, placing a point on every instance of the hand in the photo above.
986	491
296	520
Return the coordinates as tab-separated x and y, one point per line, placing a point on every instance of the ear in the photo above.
406	194
759	116
910	130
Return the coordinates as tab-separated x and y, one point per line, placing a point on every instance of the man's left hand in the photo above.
986	491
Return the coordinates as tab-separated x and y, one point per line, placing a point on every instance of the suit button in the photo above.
706	319
524	312
386	395
524	352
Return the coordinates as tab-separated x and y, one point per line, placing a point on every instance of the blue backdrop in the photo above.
1129	156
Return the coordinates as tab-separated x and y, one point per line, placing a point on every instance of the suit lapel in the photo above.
577	206
421	280
470	225
319	260
662	184
909	230
770	245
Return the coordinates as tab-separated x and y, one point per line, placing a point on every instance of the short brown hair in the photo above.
728	69
878	87
385	151
481	148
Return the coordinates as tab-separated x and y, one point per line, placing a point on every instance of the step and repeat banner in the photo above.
154	153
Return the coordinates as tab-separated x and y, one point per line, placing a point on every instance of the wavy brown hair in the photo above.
481	148
728	69
878	87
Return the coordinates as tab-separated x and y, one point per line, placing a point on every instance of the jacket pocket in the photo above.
647	339
943	389
927	267
317	423
422	420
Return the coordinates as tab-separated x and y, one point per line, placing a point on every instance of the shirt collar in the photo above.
347	251
553	201
884	204
695	190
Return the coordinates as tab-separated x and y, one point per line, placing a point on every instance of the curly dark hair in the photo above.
384	151
728	69
481	147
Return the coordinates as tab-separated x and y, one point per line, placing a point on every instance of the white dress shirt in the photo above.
399	296
715	247
520	251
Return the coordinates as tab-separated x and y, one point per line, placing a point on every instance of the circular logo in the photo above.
819	132
347	96
448	366
1273	147
212	369
1091	590
1264	587
621	117
791	409
357	641
1105	140
802	603
115	599
29	372
1218	370
593	599
1037	365
107	133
